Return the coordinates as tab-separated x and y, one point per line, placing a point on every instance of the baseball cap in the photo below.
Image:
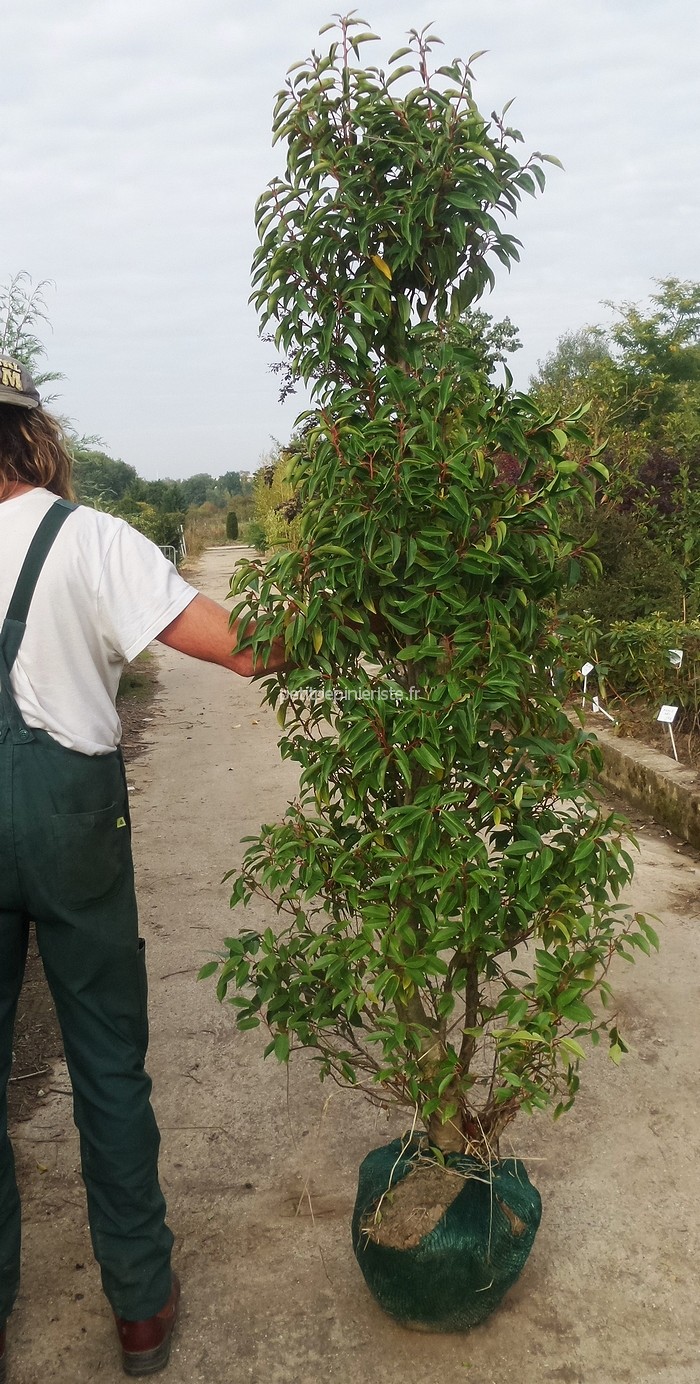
16	384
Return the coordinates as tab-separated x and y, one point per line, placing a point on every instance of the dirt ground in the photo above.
259	1163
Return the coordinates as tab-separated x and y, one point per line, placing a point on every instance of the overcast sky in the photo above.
135	138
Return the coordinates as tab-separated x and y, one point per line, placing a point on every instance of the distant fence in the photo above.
176	555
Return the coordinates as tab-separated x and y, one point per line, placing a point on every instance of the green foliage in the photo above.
162	527
633	661
22	311
662	347
232	525
275	502
641	381
203	489
99	477
196	489
157	508
638	372
490	341
638	661
388	211
577	355
232	483
161	495
447	885
634	669
637	577
255	536
665	501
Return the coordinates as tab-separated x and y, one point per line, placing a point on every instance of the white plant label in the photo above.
599	710
667	714
675	657
587	668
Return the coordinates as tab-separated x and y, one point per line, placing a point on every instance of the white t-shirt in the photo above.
104	593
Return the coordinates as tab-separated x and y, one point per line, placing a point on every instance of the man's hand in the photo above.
203	631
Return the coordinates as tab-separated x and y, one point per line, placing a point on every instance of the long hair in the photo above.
33	451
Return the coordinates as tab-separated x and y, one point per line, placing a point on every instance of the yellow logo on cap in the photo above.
121	821
11	377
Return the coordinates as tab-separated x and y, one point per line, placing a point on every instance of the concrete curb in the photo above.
652	781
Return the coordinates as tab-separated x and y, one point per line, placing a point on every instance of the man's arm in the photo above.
203	631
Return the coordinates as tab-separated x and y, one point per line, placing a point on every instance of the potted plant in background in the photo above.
445	886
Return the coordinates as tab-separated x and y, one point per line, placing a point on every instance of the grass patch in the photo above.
138	681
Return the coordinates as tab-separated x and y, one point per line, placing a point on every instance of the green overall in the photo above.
65	863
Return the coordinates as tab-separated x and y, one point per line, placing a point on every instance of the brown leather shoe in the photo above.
2	1355
146	1344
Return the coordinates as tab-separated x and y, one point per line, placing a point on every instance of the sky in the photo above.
135	139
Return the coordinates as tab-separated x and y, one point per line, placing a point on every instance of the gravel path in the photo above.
259	1165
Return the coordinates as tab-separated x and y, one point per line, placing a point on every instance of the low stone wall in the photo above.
652	781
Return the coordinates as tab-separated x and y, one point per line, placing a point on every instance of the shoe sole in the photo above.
140	1362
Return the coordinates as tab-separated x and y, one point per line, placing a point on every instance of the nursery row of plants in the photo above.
639	663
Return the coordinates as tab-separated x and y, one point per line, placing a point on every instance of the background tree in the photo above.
161	526
640	380
196	489
661	348
231	483
99	476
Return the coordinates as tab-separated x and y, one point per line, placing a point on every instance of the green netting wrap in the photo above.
458	1273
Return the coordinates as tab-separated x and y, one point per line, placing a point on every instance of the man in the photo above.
81	592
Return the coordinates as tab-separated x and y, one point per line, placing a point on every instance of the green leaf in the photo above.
466	201
400	72
208	970
648	931
577	1013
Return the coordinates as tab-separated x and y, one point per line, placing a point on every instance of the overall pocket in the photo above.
91	852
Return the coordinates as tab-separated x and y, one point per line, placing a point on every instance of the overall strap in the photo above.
37	553
12	631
